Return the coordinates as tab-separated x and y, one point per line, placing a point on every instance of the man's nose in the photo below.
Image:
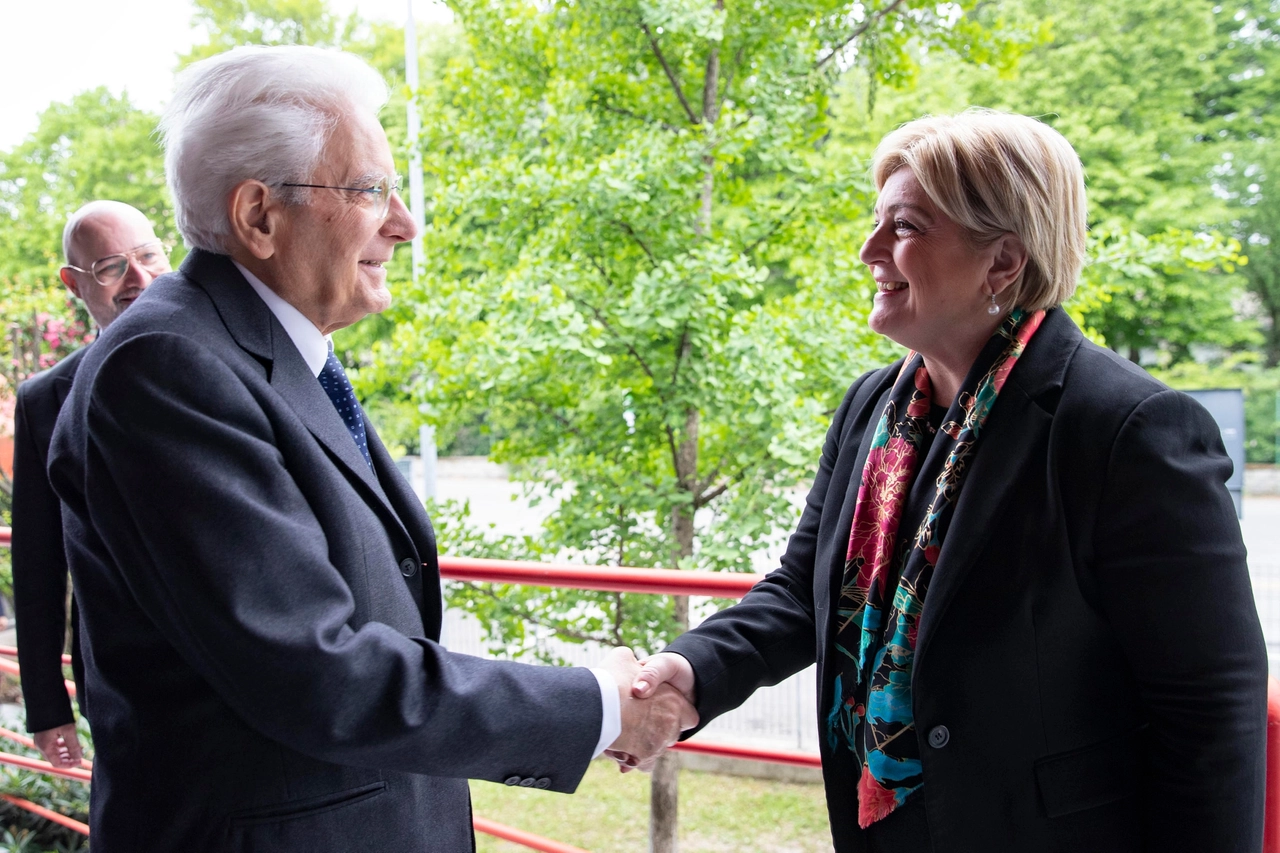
399	224
137	275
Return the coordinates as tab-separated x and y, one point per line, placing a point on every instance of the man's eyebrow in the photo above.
152	242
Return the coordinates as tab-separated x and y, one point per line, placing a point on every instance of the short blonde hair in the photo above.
995	173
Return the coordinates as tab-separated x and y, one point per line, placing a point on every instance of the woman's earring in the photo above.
994	309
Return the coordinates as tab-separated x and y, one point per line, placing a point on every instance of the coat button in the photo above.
408	567
511	780
544	783
527	782
939	737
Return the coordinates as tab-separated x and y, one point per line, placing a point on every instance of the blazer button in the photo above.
511	780
939	737
408	567
544	783
527	782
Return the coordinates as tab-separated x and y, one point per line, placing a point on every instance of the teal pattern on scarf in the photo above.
875	642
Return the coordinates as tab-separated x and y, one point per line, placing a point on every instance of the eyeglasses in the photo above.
108	271
379	193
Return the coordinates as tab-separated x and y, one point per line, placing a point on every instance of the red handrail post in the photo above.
1271	821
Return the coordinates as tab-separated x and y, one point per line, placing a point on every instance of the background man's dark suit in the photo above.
260	610
39	562
1090	673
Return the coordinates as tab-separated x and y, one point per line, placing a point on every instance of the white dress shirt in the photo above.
314	347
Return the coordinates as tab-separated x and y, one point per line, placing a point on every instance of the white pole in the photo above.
427	452
416	206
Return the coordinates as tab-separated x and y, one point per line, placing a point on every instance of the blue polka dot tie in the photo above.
333	379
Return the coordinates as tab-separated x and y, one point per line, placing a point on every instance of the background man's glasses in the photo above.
379	192
108	271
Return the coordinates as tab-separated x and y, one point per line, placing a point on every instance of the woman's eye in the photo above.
903	225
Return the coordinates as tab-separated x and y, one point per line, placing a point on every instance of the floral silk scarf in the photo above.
876	637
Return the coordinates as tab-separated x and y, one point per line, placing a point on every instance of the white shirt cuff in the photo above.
611	719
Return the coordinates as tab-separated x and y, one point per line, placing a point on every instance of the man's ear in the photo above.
254	212
1008	263
69	279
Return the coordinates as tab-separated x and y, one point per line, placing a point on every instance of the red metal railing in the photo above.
610	579
657	581
607	578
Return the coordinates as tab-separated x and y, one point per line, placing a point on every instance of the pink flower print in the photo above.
874	800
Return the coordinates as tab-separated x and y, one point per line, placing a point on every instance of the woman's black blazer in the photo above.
1090	673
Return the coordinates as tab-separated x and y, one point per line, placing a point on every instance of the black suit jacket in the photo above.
260	611
1090	673
39	562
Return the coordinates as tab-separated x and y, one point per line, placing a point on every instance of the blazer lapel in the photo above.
256	330
833	549
1017	425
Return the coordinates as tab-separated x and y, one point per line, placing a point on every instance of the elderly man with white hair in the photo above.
260	594
112	255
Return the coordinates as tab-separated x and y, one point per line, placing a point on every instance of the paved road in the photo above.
1261	528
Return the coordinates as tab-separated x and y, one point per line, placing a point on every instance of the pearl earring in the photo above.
994	309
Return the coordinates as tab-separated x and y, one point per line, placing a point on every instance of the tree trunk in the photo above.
664	799
665	788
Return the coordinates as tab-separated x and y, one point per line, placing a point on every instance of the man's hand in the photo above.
665	668
649	725
60	747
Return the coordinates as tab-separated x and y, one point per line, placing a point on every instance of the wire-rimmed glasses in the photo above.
379	191
108	271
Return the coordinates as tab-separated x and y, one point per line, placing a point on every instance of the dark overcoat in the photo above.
261	611
39	563
1090	672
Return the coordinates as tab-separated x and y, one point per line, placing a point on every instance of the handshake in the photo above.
657	698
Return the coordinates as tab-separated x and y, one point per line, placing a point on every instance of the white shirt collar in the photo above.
313	345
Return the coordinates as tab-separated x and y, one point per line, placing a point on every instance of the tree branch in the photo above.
608	327
707	497
671	75
529	616
866	25
610	108
681	354
773	228
631	232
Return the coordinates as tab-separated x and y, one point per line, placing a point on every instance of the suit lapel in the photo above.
295	383
256	330
1016	427
425	584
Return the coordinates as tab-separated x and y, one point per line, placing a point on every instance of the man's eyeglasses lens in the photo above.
109	270
379	194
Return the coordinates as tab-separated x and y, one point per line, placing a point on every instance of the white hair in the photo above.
261	113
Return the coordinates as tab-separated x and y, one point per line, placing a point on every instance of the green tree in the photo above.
643	270
231	23
1124	83
1238	111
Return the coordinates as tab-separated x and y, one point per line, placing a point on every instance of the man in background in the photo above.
112	254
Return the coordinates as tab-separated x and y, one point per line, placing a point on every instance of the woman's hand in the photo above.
665	668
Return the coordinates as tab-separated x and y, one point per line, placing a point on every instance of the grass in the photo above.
610	814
